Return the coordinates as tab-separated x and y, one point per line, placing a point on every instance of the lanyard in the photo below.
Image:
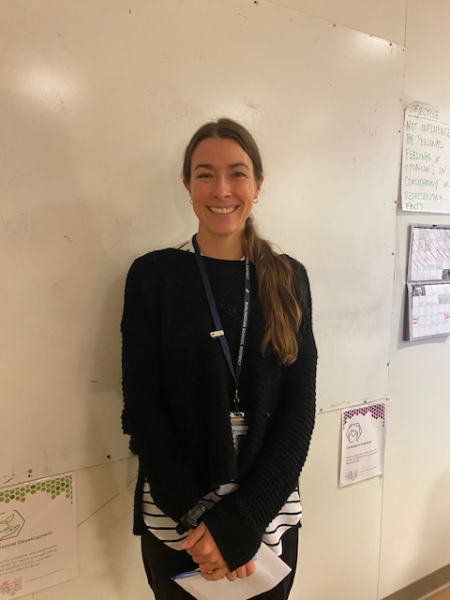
235	371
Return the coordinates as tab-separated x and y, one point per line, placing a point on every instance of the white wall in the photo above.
381	18
416	514
366	541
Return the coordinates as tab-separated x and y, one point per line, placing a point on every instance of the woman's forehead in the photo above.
220	151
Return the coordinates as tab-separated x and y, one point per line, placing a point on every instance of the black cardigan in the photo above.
177	392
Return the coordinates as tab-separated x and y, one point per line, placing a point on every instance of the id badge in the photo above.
239	428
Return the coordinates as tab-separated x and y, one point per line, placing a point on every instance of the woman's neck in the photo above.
220	247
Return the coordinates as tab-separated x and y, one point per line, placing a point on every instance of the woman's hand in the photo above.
242	572
201	545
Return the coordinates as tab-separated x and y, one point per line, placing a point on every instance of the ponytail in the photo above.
281	308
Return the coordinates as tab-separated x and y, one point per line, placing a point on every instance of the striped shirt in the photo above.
163	527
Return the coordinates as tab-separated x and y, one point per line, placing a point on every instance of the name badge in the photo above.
239	428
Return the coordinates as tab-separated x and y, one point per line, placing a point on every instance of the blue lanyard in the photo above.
235	371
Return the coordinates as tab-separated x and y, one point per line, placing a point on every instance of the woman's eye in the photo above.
204	175
238	174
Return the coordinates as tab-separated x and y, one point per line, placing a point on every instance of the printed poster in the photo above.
38	535
363	440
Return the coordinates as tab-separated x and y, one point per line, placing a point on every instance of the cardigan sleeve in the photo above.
237	523
166	464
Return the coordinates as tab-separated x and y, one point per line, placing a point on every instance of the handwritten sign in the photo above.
426	159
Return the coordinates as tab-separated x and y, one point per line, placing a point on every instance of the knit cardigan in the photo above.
178	390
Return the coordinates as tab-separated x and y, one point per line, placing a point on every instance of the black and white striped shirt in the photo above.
163	527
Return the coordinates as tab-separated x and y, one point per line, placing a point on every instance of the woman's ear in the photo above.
259	185
187	185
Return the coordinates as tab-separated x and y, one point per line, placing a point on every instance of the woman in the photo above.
219	365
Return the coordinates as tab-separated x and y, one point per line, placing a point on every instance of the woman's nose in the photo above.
221	187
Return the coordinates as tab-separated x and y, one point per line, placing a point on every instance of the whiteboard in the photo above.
98	102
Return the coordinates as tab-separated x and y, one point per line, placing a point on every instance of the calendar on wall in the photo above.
428	285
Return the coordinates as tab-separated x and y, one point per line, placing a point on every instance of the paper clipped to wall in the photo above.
363	440
426	159
38	535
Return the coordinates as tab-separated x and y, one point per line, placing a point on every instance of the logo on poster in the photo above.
352	475
354	432
10	588
11	524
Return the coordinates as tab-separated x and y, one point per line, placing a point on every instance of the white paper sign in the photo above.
363	438
426	159
270	570
38	535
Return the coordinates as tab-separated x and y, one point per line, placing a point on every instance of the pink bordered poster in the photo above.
363	441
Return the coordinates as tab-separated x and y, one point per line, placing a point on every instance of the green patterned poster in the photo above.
38	535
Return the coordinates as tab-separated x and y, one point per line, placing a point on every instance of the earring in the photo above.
256	200
190	200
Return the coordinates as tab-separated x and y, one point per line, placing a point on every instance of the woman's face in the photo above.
222	187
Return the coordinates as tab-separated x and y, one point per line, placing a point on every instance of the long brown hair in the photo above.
280	304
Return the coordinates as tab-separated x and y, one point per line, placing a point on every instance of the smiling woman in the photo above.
223	189
219	366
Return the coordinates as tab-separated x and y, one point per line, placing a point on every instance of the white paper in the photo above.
363	438
270	570
426	159
38	535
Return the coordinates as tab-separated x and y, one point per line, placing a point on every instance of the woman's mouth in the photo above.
222	210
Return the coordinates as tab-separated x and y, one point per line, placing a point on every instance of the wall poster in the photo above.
363	440
426	159
38	535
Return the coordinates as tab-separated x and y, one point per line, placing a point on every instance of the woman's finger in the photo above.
205	554
231	576
194	537
207	567
251	567
241	572
215	575
246	570
205	549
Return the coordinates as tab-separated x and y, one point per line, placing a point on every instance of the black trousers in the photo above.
162	563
